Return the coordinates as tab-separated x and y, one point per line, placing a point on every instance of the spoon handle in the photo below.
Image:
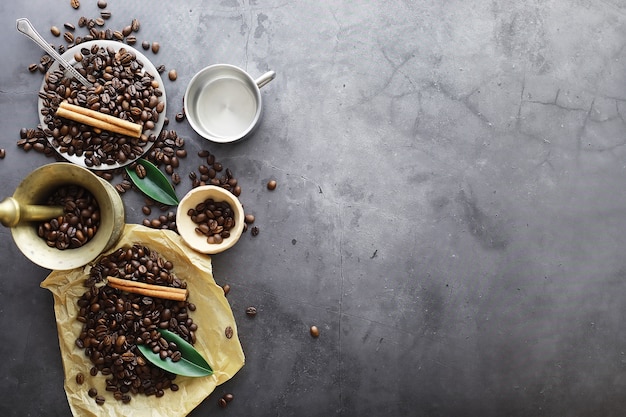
24	26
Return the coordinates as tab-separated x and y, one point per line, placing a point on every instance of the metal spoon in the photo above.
24	26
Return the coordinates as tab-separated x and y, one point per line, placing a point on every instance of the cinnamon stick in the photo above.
98	120
141	288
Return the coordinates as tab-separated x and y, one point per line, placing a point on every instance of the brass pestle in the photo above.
12	212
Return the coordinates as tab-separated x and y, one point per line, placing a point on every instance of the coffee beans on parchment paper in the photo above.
115	322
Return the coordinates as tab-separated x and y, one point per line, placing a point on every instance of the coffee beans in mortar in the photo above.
78	225
115	322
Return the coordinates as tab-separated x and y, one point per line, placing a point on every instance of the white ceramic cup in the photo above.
223	102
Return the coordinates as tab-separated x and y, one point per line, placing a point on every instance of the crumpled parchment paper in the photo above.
213	315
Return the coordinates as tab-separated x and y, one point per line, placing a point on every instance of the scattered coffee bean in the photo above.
254	231
228	332
145	45
226	289
3	153
55	31
222	403
315	332
105	14
69	26
140	170
80	378
228	397
155	47
180	117
92	392
32	67
172	75
135	25
249	218
100	399
75	4
271	185
251	311
146	210
102	4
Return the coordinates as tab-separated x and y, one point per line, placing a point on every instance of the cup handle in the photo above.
265	78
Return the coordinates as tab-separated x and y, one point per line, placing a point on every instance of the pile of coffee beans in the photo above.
115	322
121	88
214	220
78	225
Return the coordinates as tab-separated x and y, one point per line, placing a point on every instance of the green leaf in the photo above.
155	184
191	364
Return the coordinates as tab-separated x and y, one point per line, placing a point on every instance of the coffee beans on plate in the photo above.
121	88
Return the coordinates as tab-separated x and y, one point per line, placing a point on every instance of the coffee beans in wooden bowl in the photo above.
210	219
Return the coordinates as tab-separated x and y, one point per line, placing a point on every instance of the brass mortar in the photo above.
38	186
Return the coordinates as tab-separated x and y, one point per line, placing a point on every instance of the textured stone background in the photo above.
449	212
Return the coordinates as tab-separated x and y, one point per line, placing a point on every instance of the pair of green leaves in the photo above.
191	363
155	184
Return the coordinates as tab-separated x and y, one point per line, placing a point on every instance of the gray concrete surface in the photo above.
450	209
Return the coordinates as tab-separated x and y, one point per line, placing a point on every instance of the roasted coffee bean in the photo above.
222	403
145	45
55	31
146	210
69	26
131	40
80	378
105	14
271	185
315	332
228	332
100	399
69	38
3	153
92	392
75	4
226	289
102	4
254	231
228	397
180	117
155	47
135	25
172	75
249	218
251	311
32	67
140	170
